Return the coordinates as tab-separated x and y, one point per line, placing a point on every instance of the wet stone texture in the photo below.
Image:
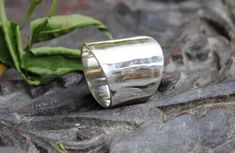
193	110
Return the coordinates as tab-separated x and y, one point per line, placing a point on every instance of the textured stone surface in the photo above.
213	132
193	111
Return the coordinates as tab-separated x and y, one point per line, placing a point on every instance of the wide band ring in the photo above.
123	71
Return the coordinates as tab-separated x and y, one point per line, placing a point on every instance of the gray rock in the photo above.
11	150
193	110
182	134
71	79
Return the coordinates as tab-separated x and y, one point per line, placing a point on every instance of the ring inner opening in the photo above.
95	77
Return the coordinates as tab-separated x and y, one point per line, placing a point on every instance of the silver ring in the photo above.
123	71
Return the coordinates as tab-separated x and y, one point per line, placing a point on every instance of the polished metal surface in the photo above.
123	71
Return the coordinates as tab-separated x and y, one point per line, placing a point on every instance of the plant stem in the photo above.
53	8
3	17
50	14
30	11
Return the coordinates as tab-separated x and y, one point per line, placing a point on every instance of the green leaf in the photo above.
40	65
61	146
74	53
5	57
46	63
12	40
4	53
10	35
14	46
49	67
60	25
